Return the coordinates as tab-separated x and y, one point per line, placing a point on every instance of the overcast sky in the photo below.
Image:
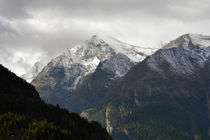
38	30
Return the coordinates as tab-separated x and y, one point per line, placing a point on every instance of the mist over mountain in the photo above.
33	72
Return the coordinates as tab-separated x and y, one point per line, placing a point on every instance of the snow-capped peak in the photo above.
135	53
184	41
102	48
82	59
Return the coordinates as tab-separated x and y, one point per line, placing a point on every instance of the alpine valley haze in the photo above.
104	70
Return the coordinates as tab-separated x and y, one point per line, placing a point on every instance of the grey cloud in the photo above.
23	37
14	63
6	28
183	10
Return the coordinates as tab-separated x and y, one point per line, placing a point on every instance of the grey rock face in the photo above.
184	55
117	66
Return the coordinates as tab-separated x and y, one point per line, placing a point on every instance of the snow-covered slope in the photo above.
184	55
64	73
83	59
33	72
135	53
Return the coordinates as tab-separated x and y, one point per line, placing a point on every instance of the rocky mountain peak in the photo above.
184	55
187	40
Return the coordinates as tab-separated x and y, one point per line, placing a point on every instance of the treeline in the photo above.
14	126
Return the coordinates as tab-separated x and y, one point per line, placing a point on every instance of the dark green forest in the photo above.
23	115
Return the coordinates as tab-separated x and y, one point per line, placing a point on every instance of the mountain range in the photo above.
62	76
163	97
136	93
